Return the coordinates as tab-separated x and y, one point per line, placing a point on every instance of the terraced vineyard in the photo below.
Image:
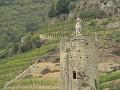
62	29
111	81
13	66
34	84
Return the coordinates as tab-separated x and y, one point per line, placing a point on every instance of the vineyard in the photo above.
34	84
107	80
11	67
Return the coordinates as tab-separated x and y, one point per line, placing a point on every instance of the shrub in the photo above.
62	7
92	13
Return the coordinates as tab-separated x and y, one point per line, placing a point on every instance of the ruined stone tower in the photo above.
78	59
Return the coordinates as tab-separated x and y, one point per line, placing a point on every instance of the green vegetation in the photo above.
60	7
25	35
19	17
12	66
107	80
95	13
109	77
37	81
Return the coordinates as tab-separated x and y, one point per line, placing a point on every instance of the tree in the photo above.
93	12
13	50
52	11
24	47
62	7
35	41
6	2
31	26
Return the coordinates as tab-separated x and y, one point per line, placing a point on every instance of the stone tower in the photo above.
78	59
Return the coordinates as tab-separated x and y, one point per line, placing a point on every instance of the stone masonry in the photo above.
78	59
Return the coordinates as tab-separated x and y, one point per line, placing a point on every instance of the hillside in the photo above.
18	17
105	43
26	38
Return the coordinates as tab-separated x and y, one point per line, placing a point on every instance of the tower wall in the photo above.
78	59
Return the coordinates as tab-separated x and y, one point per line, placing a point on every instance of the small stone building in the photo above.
78	59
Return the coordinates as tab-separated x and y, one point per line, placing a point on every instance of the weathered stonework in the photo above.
78	60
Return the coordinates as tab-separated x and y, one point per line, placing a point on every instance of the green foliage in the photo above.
107	78
117	36
13	50
36	41
62	7
94	12
30	41
31	26
38	81
3	53
52	11
71	6
6	2
12	66
19	17
25	47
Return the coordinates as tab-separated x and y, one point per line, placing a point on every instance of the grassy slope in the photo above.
107	80
13	66
18	62
15	16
